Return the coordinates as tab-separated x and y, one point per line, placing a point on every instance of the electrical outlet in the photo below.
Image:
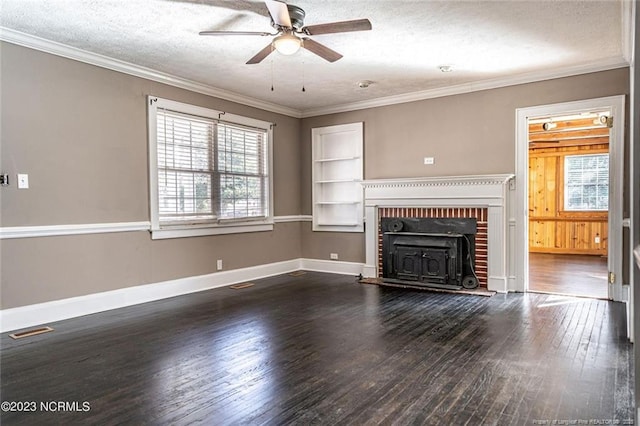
597	239
219	265
333	256
429	160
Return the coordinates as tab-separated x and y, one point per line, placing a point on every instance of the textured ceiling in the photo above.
482	40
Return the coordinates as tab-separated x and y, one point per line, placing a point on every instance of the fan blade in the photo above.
321	50
279	13
338	27
236	33
261	55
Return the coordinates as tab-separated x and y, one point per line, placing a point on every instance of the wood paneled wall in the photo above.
551	229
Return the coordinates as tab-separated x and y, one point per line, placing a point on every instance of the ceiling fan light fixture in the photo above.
291	33
287	44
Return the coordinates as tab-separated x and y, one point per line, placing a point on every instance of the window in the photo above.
586	182
210	171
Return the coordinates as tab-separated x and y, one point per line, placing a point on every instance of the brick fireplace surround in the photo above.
484	197
480	214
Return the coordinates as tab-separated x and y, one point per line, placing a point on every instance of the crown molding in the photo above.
37	43
475	86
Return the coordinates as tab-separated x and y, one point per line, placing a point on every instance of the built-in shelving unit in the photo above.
337	177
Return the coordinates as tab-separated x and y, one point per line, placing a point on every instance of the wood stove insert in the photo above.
430	252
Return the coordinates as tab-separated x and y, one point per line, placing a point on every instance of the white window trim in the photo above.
565	183
194	230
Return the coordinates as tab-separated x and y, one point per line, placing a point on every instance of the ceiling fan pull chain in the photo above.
272	74
303	89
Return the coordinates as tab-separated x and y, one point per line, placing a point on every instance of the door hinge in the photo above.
612	277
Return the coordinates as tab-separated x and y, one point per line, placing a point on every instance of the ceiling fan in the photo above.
288	20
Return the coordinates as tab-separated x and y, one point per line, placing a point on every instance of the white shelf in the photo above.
337	175
336	223
329	160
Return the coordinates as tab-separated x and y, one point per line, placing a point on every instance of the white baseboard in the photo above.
369	271
512	285
332	266
497	284
57	310
30	315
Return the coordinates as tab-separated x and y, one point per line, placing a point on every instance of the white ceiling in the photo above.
482	40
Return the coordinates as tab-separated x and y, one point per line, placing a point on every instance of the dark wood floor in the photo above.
571	274
324	349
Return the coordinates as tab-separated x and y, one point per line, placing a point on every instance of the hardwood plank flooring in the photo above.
324	349
576	275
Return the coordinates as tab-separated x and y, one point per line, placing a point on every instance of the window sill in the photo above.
192	231
583	214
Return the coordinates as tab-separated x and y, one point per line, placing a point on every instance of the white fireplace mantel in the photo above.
489	191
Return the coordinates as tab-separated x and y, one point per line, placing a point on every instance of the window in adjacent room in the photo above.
210	171
586	182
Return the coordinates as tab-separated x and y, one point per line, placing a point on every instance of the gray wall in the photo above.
467	134
80	132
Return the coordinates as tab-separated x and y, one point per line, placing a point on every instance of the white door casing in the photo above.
615	104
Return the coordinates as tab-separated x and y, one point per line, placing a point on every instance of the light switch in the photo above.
23	181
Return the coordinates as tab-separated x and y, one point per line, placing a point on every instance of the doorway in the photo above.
615	106
568	203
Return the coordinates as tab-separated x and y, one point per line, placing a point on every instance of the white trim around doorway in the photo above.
616	171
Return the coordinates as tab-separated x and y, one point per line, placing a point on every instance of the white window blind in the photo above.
208	172
242	166
185	167
586	182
